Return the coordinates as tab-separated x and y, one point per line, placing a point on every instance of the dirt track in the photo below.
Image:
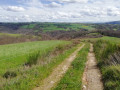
58	72
92	75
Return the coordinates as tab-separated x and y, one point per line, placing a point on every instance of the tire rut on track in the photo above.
92	76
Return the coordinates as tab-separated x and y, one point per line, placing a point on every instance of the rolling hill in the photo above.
113	22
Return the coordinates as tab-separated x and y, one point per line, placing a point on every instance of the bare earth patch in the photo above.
58	72
92	75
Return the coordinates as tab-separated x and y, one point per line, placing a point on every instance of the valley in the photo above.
59	56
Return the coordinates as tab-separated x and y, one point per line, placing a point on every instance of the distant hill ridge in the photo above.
113	22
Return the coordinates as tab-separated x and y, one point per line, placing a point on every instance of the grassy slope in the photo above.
111	73
111	39
72	80
27	78
82	26
14	55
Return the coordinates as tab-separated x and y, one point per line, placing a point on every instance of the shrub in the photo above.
9	74
60	47
32	58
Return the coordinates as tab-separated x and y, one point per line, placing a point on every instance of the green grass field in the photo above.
72	80
12	35
14	56
30	26
60	26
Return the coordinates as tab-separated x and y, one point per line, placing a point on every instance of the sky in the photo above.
59	10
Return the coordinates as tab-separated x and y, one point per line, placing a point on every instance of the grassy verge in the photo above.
72	80
106	38
30	77
108	57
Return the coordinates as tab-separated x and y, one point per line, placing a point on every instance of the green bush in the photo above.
9	74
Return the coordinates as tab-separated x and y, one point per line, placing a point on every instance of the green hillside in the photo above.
58	26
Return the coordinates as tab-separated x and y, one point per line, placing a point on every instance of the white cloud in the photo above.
71	1
26	16
113	11
14	8
16	19
34	3
54	4
1	8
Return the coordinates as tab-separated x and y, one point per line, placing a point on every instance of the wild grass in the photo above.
46	55
107	54
33	58
28	77
72	80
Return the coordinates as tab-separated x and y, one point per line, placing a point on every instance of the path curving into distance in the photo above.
92	76
58	72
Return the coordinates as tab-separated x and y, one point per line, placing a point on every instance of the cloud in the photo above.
53	4
113	11
1	8
33	3
62	10
16	19
14	8
71	1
